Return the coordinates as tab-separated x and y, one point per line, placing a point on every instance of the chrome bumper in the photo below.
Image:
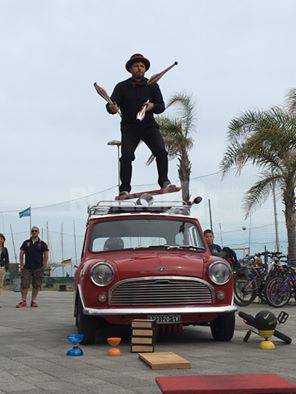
161	311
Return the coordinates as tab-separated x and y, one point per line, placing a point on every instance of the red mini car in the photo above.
150	262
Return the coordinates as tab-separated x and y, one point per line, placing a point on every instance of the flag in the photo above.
67	262
25	212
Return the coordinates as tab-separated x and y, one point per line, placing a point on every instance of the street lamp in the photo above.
118	144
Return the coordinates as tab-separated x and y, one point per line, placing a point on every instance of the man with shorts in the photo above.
35	252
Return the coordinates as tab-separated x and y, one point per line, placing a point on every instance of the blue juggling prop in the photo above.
75	339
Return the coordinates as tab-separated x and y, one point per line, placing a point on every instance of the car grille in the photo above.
161	291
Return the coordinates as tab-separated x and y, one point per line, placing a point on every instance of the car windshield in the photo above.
151	233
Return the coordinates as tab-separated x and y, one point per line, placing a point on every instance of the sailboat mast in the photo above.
13	244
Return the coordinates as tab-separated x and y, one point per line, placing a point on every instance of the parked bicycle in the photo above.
251	278
280	289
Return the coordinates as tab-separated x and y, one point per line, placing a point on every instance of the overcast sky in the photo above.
233	56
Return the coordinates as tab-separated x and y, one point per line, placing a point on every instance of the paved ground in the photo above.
33	345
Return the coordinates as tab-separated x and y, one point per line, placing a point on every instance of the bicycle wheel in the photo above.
245	290
278	292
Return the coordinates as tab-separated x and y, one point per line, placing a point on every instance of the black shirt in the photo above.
34	253
4	258
215	249
130	96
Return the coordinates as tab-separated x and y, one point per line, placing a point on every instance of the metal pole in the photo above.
221	238
276	226
118	160
250	224
62	250
13	244
75	246
30	219
50	260
210	213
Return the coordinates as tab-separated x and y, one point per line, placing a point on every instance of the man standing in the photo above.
129	96
36	258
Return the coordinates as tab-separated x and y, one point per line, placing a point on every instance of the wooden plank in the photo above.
142	348
165	360
142	324
143	340
142	333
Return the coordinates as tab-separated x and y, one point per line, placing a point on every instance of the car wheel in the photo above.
85	325
223	327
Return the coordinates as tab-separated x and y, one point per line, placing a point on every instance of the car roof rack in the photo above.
120	207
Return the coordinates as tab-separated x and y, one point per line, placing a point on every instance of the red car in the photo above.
150	262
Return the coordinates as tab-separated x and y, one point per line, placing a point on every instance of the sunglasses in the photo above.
34	231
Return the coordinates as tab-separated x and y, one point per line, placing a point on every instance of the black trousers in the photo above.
130	138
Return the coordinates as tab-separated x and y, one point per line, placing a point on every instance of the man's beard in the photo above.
138	75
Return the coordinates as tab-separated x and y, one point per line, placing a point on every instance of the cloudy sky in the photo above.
233	56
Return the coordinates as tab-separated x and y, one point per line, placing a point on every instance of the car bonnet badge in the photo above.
161	269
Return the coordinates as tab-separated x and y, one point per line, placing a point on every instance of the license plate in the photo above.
165	319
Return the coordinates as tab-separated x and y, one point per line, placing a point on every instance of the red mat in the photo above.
225	384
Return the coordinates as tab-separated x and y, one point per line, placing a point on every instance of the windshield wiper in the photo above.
154	247
189	247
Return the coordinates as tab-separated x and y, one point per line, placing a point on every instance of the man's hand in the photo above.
21	267
113	108
149	107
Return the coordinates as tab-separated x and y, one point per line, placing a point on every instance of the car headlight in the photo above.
219	272
102	274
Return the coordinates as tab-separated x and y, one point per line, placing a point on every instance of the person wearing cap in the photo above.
129	96
35	252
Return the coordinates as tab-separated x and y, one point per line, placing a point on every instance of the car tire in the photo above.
222	327
86	325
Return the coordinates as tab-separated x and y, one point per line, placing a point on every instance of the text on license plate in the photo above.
165	319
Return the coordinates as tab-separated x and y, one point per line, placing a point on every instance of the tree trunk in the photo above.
184	170
290	216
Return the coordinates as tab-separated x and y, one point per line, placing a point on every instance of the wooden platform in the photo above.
225	384
164	360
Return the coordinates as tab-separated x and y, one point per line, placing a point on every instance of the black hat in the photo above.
137	58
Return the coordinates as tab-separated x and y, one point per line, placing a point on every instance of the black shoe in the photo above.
167	186
122	195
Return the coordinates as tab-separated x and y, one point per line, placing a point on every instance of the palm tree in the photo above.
177	136
267	139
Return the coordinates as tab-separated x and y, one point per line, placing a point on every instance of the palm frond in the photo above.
291	101
243	125
234	157
259	192
186	109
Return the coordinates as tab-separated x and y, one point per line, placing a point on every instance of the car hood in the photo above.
157	263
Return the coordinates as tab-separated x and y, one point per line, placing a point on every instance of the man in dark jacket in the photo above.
215	249
129	97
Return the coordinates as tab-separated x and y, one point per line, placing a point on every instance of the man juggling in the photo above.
137	99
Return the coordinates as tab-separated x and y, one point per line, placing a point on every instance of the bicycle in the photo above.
250	280
280	289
